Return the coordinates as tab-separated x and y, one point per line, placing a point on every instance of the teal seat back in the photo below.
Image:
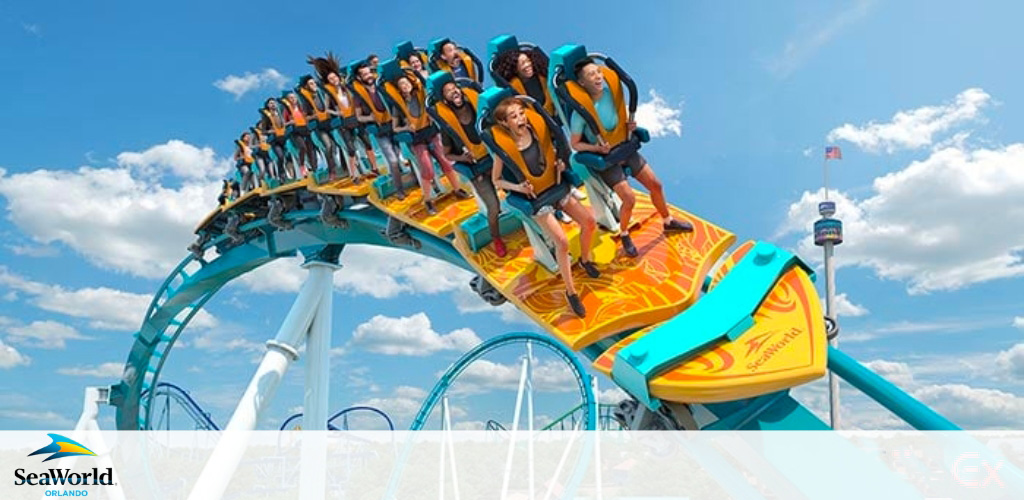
434	50
435	82
560	69
390	70
488	101
403	50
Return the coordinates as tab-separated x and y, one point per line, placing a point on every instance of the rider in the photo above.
526	71
371	110
535	182
314	106
451	58
426	142
244	160
273	124
462	143
591	78
261	152
294	116
342	104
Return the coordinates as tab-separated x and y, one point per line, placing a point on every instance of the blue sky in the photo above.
116	132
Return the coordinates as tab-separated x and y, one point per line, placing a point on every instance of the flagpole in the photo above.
824	168
828	232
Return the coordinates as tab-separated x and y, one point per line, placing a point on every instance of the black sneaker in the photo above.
576	304
590	268
628	246
676	225
431	209
462	194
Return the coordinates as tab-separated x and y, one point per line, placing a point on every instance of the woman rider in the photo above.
343	105
261	153
300	132
539	161
526	71
426	141
314	106
244	160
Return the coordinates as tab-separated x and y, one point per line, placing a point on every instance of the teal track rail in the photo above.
908	409
582	380
194	281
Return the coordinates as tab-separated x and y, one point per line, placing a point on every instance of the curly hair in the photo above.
505	63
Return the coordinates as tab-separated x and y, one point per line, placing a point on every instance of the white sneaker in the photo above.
579	195
565	218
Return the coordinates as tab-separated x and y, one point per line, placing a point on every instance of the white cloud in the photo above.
896	372
404	403
468	302
241	85
410	336
803	46
33	250
951	220
658	117
915	128
224	338
844	307
612	396
105	308
1011	361
103	370
484	375
1018	321
974	408
904	327
10	357
43	334
38	418
379	272
113	217
178	158
807	152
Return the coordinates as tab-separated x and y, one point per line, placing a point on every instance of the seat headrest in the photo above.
488	101
435	82
403	50
499	44
566	57
435	46
390	70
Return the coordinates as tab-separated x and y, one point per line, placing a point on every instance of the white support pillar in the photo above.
281	351
318	350
529	415
313	474
87	431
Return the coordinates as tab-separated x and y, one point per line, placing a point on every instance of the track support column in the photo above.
281	351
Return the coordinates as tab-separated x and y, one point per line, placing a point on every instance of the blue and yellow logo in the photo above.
62	447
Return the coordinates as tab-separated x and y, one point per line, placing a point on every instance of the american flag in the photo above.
833	153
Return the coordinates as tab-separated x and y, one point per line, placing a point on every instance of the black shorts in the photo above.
617	173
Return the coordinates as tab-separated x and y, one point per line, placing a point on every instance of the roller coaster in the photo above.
698	337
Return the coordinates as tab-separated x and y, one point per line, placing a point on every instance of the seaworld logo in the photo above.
62	447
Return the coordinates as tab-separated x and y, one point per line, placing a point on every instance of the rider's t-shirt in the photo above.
460	71
606	112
